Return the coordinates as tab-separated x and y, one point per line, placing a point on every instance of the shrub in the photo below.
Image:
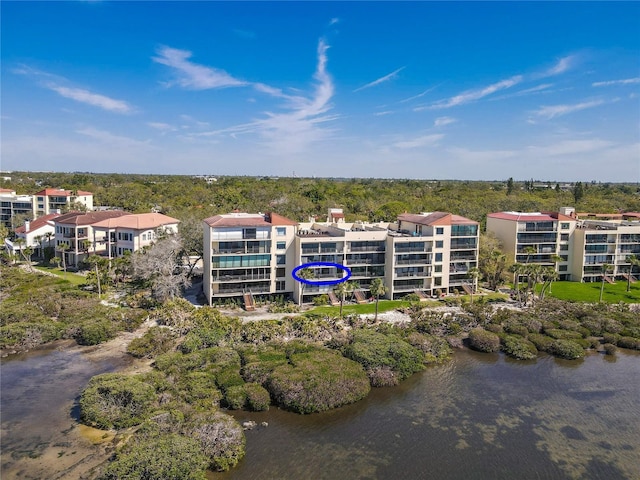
629	342
113	400
610	349
484	341
566	349
435	349
199	388
235	397
154	342
95	332
611	338
541	342
229	377
221	439
258	398
162	456
520	348
259	362
558	333
372	350
382	377
317	381
321	300
516	329
492	327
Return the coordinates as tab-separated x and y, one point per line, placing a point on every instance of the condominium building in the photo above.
51	200
247	254
579	248
543	238
111	233
14	209
39	233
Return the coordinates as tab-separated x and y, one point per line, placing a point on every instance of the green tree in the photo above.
578	192
605	269
634	261
100	273
342	290
305	274
377	289
510	186
62	248
473	274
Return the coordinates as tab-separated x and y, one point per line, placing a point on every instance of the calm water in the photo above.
480	416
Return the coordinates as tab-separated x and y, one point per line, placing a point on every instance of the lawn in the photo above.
590	292
72	278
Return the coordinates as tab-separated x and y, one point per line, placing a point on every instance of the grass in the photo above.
72	278
590	292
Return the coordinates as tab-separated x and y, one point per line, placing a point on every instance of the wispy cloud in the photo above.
333	21
551	111
419	95
380	80
192	75
385	112
54	83
571	147
625	81
163	127
93	99
442	121
422	141
473	95
562	65
302	123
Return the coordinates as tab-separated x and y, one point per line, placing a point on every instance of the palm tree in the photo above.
555	259
634	261
341	291
517	269
530	250
605	268
305	274
473	274
377	289
62	248
549	274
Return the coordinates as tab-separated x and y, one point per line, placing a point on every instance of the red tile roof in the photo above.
436	218
38	223
7	190
88	218
241	219
62	193
530	216
141	221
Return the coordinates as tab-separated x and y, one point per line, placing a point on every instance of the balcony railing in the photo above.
234	278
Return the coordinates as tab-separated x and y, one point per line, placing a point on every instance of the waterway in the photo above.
479	416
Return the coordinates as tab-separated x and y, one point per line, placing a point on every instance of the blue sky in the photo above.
435	90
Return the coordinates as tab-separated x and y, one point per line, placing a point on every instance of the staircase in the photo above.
249	304
608	279
632	279
360	296
333	299
421	294
467	289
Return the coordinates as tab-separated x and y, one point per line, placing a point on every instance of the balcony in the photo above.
236	278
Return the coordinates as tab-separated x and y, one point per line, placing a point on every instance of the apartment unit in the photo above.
14	209
129	233
75	229
256	253
543	238
51	200
430	252
598	243
578	248
249	254
39	233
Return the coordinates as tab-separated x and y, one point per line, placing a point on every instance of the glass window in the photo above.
281	245
564	226
564	237
439	230
281	231
438	257
439	243
280	272
281	259
437	269
563	268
